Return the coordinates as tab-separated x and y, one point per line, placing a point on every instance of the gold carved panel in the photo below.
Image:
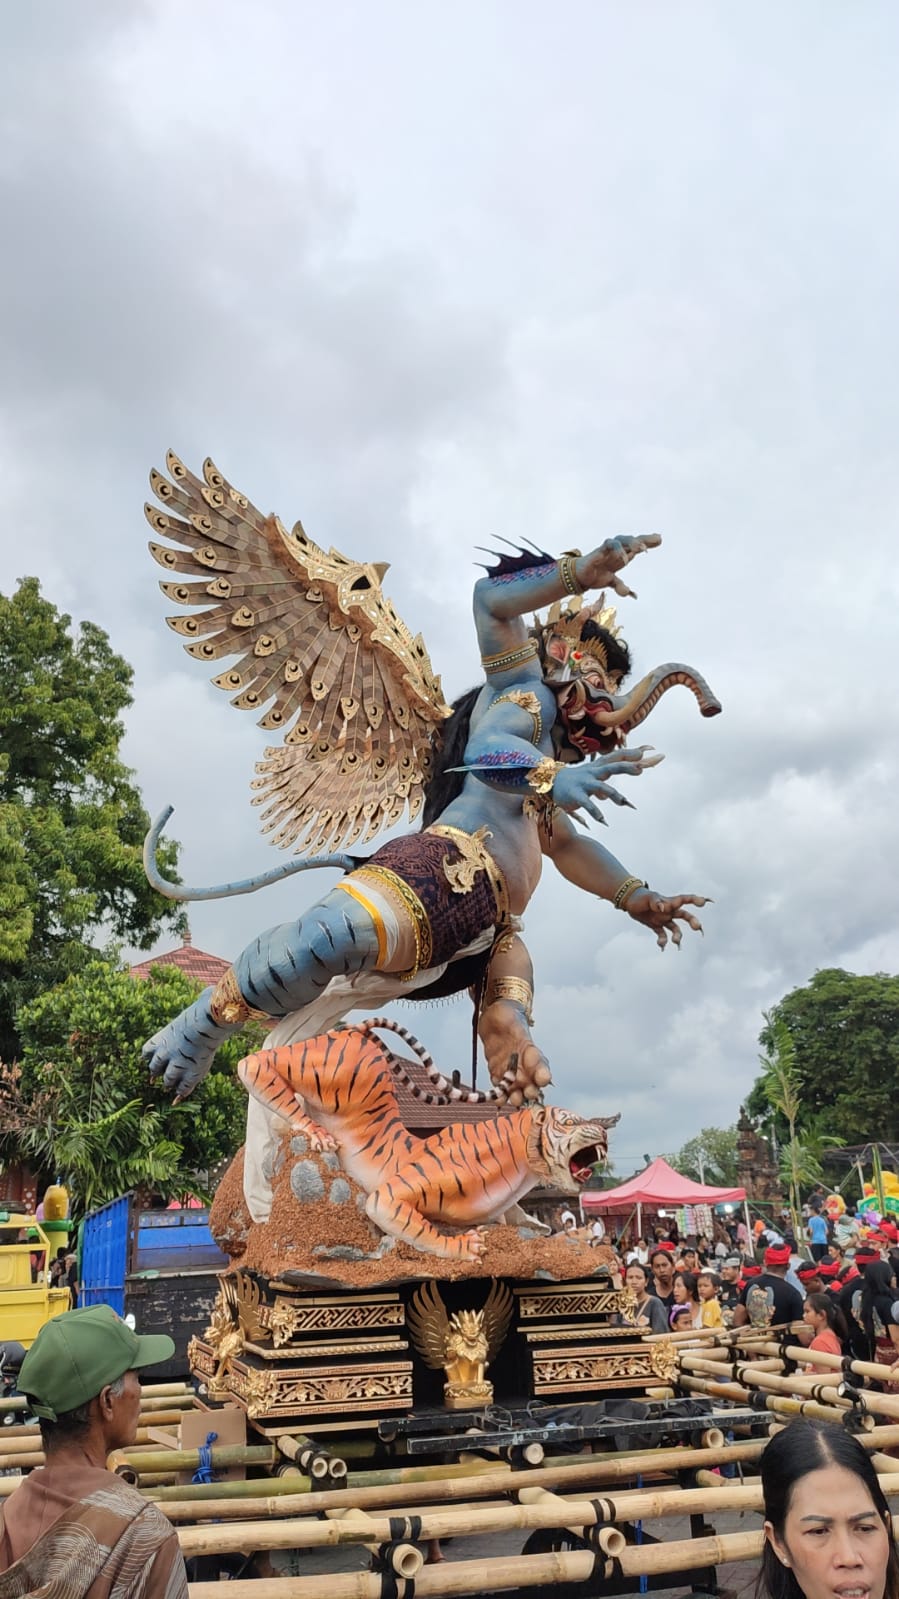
566	1301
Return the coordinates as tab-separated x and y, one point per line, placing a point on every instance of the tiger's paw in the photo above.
319	1140
471	1245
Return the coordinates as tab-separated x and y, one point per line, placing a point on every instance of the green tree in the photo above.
71	819
710	1157
844	1031
80	1102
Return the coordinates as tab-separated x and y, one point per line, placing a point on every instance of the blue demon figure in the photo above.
500	776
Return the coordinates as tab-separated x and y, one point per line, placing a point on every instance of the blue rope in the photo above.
204	1472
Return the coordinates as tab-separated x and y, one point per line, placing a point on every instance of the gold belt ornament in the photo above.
475	858
398	892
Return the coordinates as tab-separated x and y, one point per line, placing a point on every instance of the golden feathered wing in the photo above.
428	1324
350	688
498	1309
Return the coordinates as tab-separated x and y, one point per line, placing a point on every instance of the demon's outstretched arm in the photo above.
518	585
584	862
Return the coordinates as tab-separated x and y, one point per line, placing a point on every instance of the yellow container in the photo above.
56	1202
25	1305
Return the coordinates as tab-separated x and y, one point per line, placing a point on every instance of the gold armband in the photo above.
567	573
541	807
516	989
503	662
625	890
227	1006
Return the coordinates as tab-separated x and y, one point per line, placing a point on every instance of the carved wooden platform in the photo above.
296	1358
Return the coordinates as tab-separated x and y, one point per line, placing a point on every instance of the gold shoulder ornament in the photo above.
351	690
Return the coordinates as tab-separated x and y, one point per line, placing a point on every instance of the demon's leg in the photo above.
505	1021
281	971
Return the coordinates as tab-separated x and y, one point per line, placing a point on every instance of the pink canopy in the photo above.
658	1185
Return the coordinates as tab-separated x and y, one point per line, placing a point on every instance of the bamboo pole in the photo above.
881	1438
450	1484
309	1459
312	1458
404	1558
180	1402
778	1405
297	1487
536	1509
21	1460
144	1460
516	1571
874	1404
820	1357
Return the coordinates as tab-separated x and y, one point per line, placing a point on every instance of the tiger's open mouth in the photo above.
581	1165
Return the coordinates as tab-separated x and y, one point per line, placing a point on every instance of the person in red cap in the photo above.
770	1301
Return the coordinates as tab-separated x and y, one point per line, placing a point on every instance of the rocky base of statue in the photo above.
318	1233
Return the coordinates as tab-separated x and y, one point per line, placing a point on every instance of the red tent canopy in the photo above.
659	1184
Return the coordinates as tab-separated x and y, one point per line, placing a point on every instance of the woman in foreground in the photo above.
828	1533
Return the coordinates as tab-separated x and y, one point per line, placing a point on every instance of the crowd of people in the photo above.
844	1293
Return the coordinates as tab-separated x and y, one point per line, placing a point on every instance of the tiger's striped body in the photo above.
464	1176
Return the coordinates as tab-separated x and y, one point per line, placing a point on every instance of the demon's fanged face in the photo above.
594	717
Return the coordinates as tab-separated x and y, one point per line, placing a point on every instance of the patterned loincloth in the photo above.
446	882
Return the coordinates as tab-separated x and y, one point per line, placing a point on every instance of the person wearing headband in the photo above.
809	1277
73	1528
769	1300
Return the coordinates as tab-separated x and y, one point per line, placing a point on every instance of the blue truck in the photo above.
159	1267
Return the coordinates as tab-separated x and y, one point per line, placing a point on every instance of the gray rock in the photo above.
527	1232
306	1181
339	1252
330	1159
339	1193
299	1144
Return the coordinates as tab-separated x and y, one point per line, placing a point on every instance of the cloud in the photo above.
428	280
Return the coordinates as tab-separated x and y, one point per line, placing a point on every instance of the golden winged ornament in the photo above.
462	1344
236	1321
350	688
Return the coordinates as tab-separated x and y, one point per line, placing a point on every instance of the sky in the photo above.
424	276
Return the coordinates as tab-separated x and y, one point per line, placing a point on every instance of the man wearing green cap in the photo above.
74	1530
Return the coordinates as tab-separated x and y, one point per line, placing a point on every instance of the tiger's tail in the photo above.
448	1092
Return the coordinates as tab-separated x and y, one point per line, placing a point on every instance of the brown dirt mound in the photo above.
229	1219
326	1231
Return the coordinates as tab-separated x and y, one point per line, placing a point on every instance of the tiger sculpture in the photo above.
338	1090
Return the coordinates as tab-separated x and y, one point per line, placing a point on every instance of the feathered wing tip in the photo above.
321	657
521	560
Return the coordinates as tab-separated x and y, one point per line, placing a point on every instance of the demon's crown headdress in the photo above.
564	622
